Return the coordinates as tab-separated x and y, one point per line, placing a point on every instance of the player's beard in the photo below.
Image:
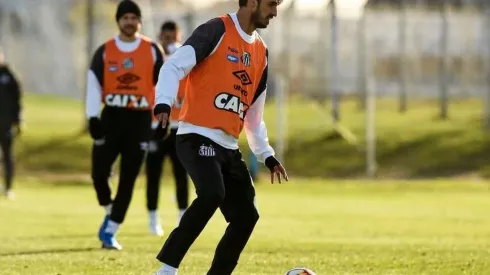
259	21
129	30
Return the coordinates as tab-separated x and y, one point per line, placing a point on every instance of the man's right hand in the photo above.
162	119
95	128
162	113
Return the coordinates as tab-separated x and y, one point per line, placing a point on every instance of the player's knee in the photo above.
212	196
181	180
253	216
248	218
100	176
96	176
182	185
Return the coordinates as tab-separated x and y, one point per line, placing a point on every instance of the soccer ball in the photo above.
300	271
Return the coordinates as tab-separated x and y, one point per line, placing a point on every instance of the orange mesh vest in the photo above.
221	88
174	114
128	76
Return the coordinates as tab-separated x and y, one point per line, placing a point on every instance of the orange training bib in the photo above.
221	88
128	76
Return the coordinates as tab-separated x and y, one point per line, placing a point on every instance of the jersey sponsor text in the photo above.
126	101
231	103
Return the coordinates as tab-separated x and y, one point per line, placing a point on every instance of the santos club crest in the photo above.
246	59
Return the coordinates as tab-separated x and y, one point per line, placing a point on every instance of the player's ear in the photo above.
179	36
255	4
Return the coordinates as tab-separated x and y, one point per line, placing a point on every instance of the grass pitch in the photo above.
332	227
424	227
415	144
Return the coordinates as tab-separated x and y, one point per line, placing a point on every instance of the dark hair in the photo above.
169	26
127	6
242	3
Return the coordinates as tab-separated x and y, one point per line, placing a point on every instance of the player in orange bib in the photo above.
225	61
159	149
122	77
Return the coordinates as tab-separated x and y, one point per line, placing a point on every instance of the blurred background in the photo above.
387	88
379	110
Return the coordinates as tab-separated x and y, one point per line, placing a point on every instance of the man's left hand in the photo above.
276	168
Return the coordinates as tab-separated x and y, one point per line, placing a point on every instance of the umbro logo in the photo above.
243	77
128	78
206	151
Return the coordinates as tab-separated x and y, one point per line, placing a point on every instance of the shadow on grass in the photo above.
77	236
48	251
61	154
440	154
432	155
41	148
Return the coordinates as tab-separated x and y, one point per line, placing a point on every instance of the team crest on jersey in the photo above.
128	63
246	59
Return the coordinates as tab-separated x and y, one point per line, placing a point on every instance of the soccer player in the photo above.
225	61
170	40
122	76
10	110
170	37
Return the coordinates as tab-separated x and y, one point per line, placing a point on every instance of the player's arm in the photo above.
201	44
14	87
256	131
95	82
157	52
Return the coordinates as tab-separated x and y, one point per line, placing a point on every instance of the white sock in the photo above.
167	270
153	215
112	227
181	213
108	209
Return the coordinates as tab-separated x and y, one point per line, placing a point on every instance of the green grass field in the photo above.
416	144
348	227
332	226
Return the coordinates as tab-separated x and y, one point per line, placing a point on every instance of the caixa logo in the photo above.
126	101
230	103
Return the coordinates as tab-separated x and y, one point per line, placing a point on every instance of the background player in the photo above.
170	37
226	63
122	75
170	40
10	110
